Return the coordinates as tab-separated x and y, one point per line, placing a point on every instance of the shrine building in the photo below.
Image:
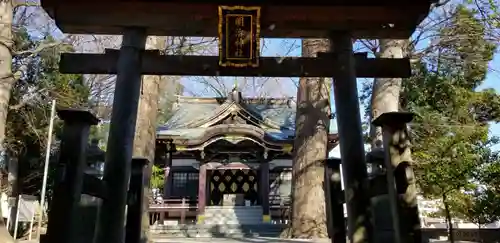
232	160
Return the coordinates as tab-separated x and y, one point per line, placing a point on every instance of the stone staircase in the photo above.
229	215
216	231
222	221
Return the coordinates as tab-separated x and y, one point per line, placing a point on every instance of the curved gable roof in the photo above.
189	110
193	115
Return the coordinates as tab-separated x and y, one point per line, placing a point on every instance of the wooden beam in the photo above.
166	18
155	64
264	3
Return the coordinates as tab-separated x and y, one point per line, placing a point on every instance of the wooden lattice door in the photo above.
233	181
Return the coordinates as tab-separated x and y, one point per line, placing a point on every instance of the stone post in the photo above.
401	182
335	202
64	210
383	229
134	232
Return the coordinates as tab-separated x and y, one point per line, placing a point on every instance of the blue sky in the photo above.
493	81
274	47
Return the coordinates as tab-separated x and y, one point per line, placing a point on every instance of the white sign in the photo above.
28	206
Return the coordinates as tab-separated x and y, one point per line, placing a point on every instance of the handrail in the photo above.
158	211
163	208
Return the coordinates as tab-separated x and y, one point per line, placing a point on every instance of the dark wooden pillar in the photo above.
134	232
169	149
202	192
351	137
111	217
168	180
401	182
335	201
63	213
264	190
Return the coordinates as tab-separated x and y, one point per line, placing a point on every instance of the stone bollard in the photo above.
398	163
64	209
383	230
335	202
134	231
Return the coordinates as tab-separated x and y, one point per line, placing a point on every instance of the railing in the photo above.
280	209
180	209
184	210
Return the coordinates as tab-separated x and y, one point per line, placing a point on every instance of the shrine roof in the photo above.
193	116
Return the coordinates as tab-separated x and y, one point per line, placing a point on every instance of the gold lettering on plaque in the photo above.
239	32
240	22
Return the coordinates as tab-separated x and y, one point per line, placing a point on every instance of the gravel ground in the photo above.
222	240
241	240
238	240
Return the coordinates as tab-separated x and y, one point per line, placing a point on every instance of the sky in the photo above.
493	81
274	87
254	87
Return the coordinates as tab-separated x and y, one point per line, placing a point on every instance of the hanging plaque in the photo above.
239	32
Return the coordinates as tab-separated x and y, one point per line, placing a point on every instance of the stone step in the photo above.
214	235
222	226
236	222
233	211
209	231
232	208
237	240
225	232
257	216
245	212
233	215
218	221
250	213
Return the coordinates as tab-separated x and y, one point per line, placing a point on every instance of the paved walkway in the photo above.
222	240
238	240
259	240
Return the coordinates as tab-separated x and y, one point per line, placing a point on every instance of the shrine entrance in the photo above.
239	30
233	187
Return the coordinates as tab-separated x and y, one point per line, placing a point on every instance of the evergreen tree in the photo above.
451	146
453	116
310	151
38	84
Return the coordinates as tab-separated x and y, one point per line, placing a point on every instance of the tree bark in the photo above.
451	237
6	83
310	148
145	132
385	91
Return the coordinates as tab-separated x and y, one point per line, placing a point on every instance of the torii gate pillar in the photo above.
351	137
111	217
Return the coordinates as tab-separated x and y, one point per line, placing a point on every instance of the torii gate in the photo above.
341	21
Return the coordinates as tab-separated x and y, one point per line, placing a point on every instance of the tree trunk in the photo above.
310	149
13	188
385	91
6	82
451	237
145	132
